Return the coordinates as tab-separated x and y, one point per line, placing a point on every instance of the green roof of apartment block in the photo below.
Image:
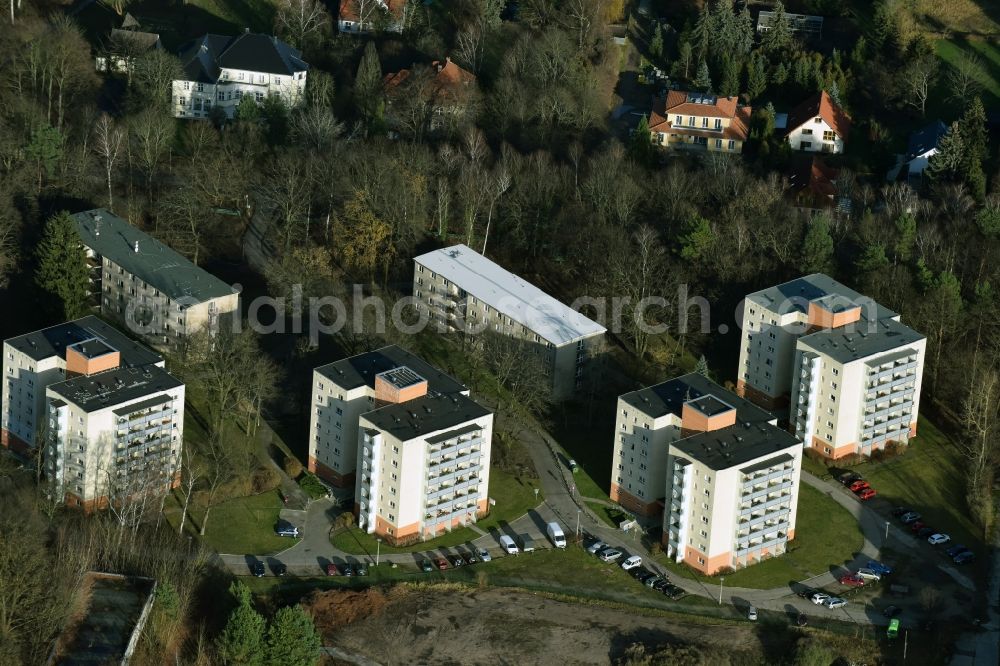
148	259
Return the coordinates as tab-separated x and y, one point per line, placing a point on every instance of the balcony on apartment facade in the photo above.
744	548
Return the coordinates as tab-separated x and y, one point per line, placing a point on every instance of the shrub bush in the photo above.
293	468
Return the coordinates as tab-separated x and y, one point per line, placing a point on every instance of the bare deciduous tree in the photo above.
109	139
301	21
964	78
918	79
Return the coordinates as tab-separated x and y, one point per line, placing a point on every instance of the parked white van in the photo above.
508	545
556	535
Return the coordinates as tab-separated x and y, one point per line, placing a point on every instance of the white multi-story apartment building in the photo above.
154	291
724	474
113	434
424	464
850	370
34	361
344	390
463	291
220	71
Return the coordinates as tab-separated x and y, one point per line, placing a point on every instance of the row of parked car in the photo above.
872	573
633	565
858	486
959	554
459	559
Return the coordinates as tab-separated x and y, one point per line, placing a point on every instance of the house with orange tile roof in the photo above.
699	121
450	85
360	17
818	125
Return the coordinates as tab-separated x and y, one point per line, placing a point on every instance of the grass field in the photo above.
930	479
514	497
970	16
246	525
950	51
825	535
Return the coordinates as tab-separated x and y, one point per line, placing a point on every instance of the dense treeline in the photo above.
529	168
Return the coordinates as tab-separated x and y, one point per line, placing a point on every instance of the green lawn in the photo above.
514	497
825	534
246	525
950	51
929	478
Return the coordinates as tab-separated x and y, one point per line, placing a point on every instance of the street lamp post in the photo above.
578	524
378	550
722	579
886	534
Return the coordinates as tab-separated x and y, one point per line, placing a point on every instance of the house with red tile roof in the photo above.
450	86
818	125
812	182
362	16
700	121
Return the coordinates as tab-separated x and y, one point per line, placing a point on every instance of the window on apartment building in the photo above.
836	372
718	123
707	493
818	120
829	438
829	136
704	534
679	120
691	121
732	144
704	122
395	463
805	145
807	131
829	410
718	144
833	398
829	424
704	519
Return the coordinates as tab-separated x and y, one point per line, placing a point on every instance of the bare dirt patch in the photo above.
499	626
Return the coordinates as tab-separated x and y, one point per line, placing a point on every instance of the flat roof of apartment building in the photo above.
53	341
669	397
510	295
115	387
851	343
147	258
425	415
357	371
816	287
736	444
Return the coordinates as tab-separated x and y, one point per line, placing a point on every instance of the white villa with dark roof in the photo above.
220	71
463	291
153	290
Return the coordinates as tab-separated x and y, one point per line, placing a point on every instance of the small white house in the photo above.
818	125
220	70
922	146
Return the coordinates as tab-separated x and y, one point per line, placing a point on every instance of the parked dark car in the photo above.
426	566
456	560
955	550
901	511
279	569
925	532
807	592
361	569
801	620
347	569
646	576
849	478
674	592
661	585
968	557
909	518
879	568
638	572
469	558
892	611
257	568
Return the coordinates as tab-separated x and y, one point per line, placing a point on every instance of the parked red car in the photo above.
441	563
852	580
858	485
867	494
917	525
332	570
